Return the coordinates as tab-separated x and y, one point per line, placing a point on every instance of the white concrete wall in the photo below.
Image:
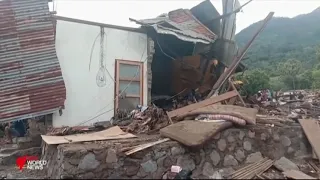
85	100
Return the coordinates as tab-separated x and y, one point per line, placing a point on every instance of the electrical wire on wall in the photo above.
163	51
91	51
116	97
101	77
138	69
113	99
135	75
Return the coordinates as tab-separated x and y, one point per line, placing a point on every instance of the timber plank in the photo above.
312	130
204	103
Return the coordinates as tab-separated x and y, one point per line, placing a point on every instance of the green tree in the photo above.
317	67
286	82
277	84
254	80
316	79
290	70
305	80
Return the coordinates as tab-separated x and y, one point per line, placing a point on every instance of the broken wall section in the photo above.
223	154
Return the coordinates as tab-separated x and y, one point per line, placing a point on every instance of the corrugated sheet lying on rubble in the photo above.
182	24
31	82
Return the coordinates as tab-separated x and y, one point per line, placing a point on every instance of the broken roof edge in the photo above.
177	33
80	21
180	35
155	21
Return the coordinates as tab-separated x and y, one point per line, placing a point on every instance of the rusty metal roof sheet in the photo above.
30	74
182	24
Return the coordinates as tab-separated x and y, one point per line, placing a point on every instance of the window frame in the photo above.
118	80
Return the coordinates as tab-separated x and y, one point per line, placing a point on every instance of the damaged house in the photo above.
83	72
191	49
110	68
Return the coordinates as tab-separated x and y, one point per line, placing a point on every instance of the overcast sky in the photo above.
117	12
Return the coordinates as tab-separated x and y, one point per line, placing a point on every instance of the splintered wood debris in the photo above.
204	103
145	146
67	130
147	121
252	170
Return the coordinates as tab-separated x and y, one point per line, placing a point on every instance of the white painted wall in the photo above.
85	100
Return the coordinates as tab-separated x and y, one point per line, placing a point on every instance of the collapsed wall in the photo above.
223	153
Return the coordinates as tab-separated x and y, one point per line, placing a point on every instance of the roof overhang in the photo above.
181	24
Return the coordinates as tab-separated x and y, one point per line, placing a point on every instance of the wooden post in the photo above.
235	89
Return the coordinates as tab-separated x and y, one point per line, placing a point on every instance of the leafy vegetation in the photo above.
254	81
286	55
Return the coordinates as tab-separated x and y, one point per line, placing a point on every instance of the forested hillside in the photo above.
282	39
285	41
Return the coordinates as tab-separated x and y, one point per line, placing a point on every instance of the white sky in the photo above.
117	12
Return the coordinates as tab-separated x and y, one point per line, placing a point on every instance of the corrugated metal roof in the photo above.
182	24
187	22
31	82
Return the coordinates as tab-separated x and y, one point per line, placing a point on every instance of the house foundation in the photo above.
224	153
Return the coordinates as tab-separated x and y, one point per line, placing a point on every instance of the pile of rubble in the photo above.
294	104
147	120
215	120
63	131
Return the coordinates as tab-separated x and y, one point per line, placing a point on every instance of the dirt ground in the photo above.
12	172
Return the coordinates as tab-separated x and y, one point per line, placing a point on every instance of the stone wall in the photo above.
222	154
